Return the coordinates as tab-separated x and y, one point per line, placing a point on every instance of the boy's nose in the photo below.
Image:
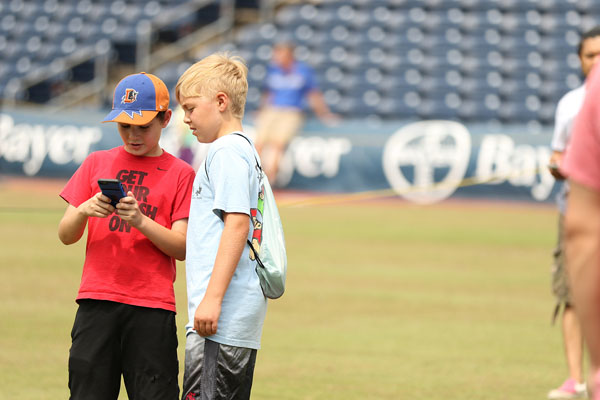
134	133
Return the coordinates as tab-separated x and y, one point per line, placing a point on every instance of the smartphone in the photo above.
113	189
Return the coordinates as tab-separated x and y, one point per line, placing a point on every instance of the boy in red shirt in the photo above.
125	323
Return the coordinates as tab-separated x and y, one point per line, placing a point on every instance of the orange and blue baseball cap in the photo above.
137	99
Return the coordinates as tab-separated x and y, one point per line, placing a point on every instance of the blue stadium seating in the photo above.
34	33
475	60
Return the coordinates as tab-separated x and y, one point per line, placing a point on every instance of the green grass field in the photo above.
385	300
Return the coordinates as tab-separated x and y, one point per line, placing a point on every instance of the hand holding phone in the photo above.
113	189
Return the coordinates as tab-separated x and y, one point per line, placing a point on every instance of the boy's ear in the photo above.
222	101
168	115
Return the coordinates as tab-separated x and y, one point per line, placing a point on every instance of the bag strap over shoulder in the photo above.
257	258
260	169
249	142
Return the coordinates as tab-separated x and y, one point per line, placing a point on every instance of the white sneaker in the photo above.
569	390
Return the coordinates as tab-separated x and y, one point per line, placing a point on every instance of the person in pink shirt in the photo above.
582	221
566	112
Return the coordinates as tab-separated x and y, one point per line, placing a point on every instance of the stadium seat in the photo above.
519	112
345	106
290	18
400	55
435	108
560	43
478	110
516	46
518	6
479	5
436	85
587	6
11	50
560	7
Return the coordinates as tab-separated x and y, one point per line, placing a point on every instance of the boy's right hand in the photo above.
206	317
97	206
554	165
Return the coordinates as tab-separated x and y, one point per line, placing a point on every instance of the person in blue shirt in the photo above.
289	88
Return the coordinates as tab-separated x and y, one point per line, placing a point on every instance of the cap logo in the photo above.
130	96
137	99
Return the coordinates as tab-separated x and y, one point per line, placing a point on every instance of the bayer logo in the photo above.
426	161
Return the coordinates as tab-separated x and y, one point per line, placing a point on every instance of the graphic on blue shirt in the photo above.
257	222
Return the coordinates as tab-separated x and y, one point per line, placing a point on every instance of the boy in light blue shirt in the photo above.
226	305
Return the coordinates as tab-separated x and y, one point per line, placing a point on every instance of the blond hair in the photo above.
218	72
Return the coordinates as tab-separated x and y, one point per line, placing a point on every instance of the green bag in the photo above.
268	245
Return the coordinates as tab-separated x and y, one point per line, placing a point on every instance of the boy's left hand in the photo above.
129	210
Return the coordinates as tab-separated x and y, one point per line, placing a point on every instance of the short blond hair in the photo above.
218	72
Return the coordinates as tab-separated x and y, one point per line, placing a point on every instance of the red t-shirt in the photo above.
582	160
121	264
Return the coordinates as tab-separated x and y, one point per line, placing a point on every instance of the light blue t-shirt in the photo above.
231	186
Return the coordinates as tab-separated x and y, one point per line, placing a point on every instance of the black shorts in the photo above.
215	371
112	339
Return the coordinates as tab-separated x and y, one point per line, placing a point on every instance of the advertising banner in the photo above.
420	161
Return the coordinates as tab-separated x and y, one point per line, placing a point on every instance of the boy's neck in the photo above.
229	126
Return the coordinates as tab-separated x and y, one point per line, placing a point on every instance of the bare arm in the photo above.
72	225
233	240
319	106
169	241
582	224
264	100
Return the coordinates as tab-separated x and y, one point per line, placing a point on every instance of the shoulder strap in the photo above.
260	168
256	257
249	142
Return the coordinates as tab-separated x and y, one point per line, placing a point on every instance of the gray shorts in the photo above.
216	371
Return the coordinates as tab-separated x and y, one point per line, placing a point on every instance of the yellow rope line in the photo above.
374	194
